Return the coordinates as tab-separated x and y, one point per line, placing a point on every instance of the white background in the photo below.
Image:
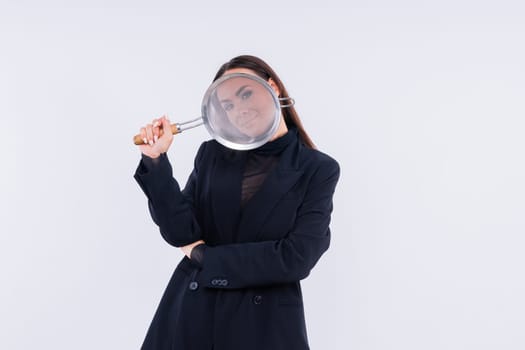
422	104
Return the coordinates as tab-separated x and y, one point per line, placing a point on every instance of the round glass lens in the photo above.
241	111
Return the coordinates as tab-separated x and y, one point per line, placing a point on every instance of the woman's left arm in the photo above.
291	258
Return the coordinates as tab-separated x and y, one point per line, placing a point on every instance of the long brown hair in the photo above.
263	70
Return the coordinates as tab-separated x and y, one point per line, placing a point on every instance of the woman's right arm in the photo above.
170	207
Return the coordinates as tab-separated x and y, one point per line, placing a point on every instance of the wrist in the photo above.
151	155
197	254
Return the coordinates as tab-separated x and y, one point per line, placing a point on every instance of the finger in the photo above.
143	135
149	134
156	129
156	133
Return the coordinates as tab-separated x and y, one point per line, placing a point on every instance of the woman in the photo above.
251	224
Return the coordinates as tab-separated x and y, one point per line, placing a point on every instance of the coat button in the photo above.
194	285
219	282
257	299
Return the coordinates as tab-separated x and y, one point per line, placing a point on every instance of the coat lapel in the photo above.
275	186
226	193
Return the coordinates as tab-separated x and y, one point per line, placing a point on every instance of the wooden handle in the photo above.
137	139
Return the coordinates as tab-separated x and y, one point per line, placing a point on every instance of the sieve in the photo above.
241	111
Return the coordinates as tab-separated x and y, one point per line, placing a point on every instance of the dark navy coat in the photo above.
246	295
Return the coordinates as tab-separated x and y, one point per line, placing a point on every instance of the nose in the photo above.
244	114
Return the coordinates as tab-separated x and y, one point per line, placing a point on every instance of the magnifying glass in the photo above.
241	111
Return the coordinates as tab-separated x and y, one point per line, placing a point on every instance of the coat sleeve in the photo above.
289	259
171	208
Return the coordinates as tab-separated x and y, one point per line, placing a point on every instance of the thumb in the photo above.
166	128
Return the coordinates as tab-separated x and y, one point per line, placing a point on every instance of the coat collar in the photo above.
235	225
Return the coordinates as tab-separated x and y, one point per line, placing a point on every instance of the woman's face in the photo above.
248	104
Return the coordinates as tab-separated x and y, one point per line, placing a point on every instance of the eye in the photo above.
246	94
227	106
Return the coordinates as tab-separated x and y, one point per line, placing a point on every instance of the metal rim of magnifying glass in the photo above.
234	145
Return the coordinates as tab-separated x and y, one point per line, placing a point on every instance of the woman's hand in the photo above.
187	248
156	140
